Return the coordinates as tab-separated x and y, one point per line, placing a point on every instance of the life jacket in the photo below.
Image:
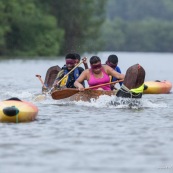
138	90
124	92
66	79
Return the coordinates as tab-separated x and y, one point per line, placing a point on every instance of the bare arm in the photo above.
81	78
85	62
113	73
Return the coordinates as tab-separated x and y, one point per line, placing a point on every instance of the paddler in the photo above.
68	81
112	62
97	74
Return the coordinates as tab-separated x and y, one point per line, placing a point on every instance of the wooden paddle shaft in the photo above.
104	84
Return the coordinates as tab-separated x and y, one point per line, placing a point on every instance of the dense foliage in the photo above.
45	28
139	25
54	27
80	20
27	30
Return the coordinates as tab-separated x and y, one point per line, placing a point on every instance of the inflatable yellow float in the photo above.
16	110
158	87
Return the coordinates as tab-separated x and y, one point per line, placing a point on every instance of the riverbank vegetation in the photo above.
51	28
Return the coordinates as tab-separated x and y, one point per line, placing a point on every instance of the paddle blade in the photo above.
39	98
64	93
135	76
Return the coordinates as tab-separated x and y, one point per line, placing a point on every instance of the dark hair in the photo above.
70	56
113	59
77	56
14	98
94	60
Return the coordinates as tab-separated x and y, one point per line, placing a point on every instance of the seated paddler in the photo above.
68	75
112	61
96	75
133	85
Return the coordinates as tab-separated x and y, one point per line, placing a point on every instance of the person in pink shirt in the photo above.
96	75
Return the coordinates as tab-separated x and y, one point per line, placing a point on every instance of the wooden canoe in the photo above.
87	95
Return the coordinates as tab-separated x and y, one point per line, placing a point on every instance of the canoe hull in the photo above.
87	95
162	87
25	111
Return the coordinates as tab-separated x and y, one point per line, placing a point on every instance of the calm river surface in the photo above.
96	137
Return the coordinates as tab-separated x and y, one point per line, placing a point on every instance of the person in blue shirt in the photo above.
69	80
112	61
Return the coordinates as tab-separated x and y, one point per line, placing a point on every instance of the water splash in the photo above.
122	103
104	101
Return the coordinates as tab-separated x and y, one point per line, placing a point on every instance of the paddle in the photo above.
67	92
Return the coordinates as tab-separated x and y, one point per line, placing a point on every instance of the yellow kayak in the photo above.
158	87
15	110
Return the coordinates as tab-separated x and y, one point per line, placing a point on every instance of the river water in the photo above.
80	137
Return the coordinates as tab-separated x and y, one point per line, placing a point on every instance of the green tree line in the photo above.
47	28
55	27
138	25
